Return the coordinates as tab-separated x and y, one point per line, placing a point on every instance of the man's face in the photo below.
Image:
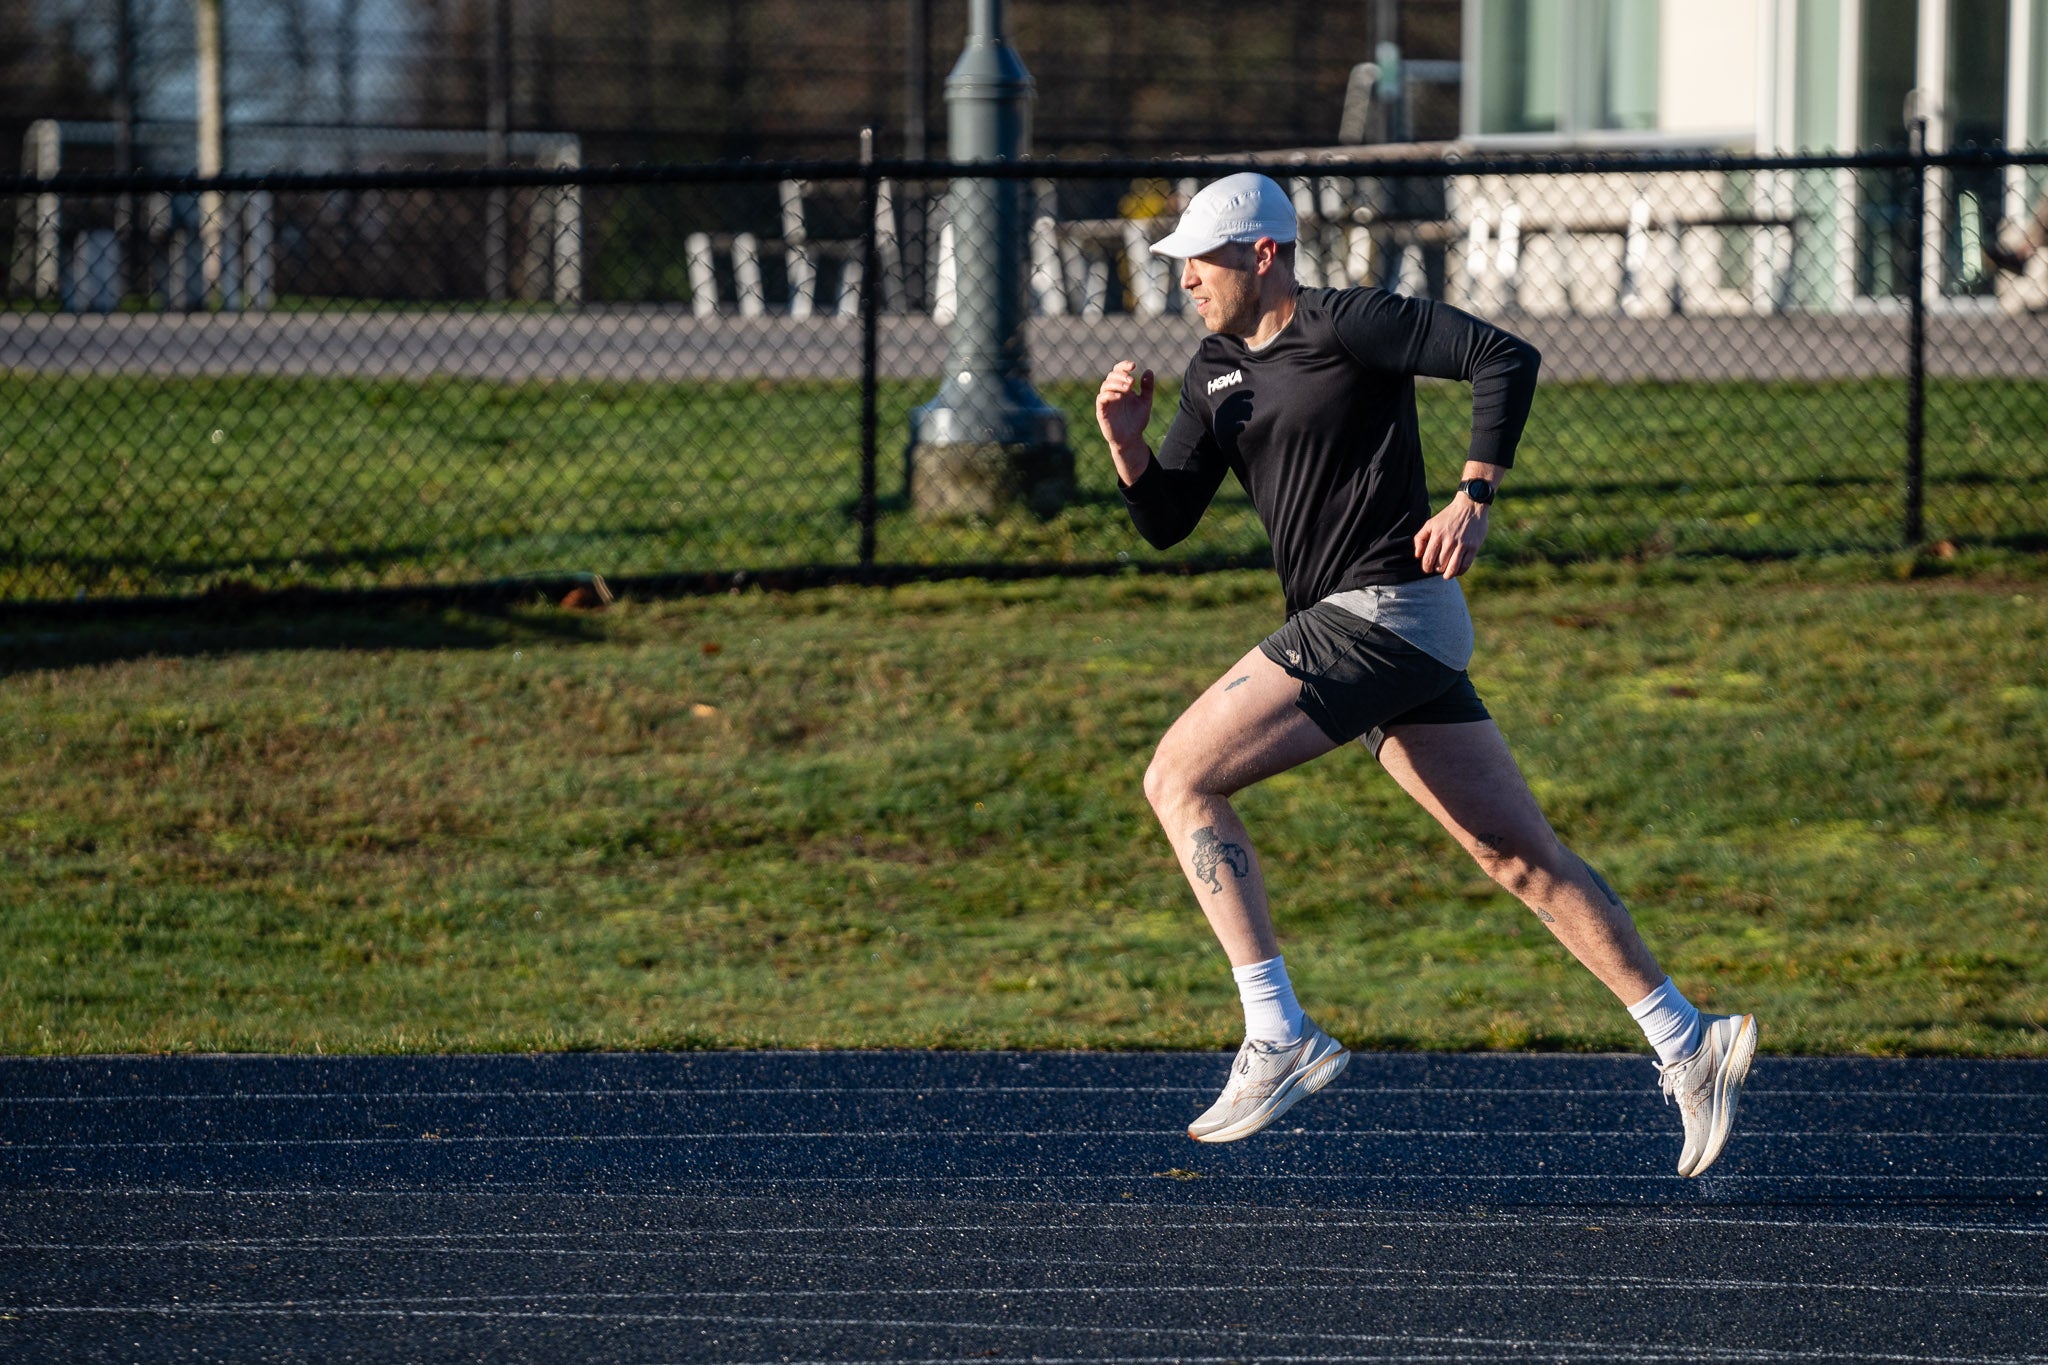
1224	284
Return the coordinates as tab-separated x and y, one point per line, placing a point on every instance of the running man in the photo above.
1308	396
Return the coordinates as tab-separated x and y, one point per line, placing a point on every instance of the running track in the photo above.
1009	1207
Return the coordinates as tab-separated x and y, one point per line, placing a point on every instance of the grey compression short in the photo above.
1374	658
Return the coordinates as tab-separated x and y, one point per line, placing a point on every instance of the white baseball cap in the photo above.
1238	208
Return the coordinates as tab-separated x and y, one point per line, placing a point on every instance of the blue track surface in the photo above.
932	1206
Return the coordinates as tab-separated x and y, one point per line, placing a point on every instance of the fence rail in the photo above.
381	380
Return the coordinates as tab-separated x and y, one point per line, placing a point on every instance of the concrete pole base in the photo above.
986	480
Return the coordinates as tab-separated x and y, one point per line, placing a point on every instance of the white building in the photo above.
1772	76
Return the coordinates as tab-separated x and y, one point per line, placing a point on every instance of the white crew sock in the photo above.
1271	1013
1670	1022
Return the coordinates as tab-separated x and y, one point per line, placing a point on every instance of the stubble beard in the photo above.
1237	321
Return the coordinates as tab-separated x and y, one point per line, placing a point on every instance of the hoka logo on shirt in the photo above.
1225	381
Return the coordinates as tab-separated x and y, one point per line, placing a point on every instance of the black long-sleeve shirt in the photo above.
1319	426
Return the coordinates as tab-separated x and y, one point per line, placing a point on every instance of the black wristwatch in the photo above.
1479	490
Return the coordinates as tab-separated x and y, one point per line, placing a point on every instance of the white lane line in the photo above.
1005	1134
1235	1358
523	1244
676	1185
1612	1220
1362	1276
1564	1350
636	1092
1127	1177
1245	1358
1577	1351
1405	1282
941	1091
1463	1343
1135	1217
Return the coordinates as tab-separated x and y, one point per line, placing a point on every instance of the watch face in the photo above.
1479	490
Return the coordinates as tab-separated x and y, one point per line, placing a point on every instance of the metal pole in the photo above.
916	147
1387	52
640	22
349	22
870	305
916	79
124	86
988	440
498	116
1916	336
211	150
348	43
134	276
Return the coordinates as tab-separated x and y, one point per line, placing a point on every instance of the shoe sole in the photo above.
1298	1087
1727	1094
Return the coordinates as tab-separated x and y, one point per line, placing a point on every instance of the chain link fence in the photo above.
688	374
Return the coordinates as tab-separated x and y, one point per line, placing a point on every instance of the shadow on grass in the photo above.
897	503
57	636
367	560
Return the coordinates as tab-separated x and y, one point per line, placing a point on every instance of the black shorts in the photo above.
1361	679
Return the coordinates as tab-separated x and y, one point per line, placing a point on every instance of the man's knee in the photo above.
1158	781
1171	779
1166	782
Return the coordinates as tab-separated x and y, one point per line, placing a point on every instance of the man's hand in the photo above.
1123	407
1449	542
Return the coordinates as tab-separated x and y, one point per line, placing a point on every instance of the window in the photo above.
1817	79
1979	63
1565	66
1889	66
2037	75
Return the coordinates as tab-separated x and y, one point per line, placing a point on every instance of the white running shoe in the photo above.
1707	1085
1266	1080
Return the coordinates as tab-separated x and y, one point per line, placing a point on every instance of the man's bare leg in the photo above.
1244	728
1465	777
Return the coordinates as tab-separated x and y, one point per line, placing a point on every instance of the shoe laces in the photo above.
1256	1047
1670	1076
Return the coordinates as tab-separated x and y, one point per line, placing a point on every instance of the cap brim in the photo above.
1180	244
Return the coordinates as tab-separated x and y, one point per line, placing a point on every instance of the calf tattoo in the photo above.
1212	853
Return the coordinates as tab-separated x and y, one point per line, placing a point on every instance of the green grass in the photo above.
912	818
131	485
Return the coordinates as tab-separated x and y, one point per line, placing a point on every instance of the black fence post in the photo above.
870	300
1916	335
